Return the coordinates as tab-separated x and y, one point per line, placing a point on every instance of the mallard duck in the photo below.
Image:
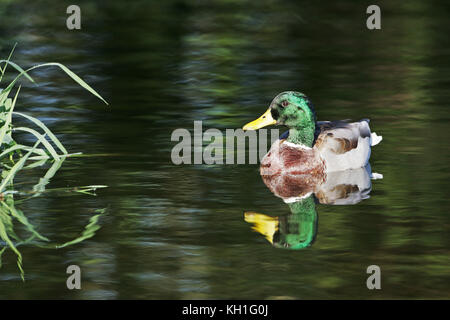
311	147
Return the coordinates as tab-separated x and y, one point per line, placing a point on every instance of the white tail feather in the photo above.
376	176
376	139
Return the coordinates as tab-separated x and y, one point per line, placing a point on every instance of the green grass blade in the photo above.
24	148
41	125
61	156
4	236
19	164
18	68
1	253
8	118
40	138
22	219
40	186
9	58
76	78
37	163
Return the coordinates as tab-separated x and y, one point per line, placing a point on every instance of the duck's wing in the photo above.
343	145
341	136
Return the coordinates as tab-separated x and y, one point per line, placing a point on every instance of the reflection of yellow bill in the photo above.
265	225
263	121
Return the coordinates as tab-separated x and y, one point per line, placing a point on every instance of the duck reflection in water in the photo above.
298	229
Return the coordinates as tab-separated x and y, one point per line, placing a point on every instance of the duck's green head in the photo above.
290	108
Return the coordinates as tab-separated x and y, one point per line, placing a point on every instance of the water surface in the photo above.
178	232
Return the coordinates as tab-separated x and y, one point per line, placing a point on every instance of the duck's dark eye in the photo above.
284	103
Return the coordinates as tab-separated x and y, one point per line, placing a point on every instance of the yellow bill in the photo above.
265	225
263	121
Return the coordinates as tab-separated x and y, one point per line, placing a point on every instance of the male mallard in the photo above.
312	147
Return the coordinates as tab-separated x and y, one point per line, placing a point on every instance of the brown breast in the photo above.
290	171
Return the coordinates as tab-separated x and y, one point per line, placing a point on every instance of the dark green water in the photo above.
178	232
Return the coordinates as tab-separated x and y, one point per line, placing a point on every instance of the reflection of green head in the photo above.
298	229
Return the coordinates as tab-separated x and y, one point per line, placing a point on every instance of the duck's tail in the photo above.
376	139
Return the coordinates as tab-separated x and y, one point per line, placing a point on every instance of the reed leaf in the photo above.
22	219
1	253
40	186
8	118
40	138
6	64
18	147
41	125
16	168
76	78
18	68
4	236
